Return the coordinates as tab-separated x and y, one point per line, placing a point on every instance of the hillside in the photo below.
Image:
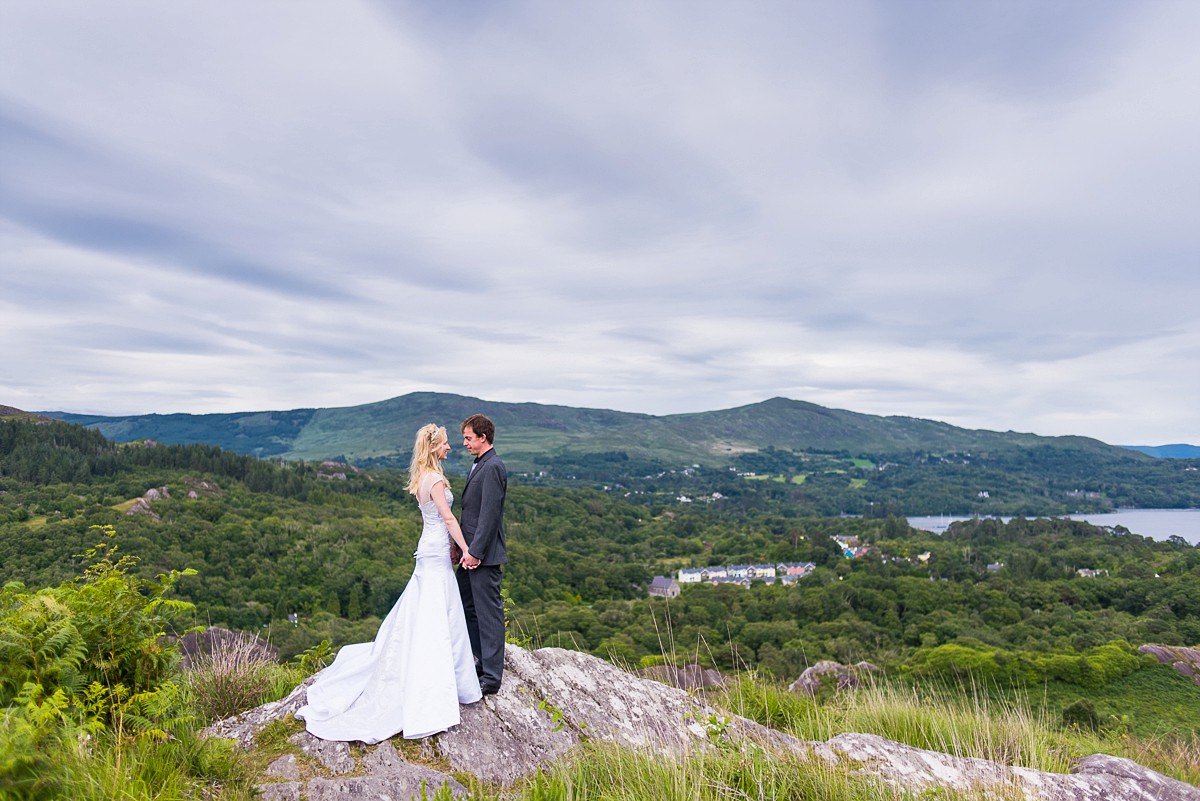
530	433
11	413
827	461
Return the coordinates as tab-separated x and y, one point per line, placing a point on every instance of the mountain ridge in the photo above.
1176	450
529	433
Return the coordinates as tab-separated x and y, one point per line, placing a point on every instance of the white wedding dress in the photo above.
418	670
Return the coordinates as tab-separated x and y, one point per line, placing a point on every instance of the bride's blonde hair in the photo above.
424	456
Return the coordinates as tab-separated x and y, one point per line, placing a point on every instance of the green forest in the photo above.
329	546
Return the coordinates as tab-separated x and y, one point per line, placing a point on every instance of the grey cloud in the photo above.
628	190
638	335
1025	48
74	212
977	211
131	339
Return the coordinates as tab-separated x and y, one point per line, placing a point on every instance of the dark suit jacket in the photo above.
483	510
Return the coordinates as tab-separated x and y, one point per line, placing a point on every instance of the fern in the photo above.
38	643
103	630
25	747
87	684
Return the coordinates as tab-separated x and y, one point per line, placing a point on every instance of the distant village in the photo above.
787	573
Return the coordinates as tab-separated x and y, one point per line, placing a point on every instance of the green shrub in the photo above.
997	667
86	661
1081	715
39	644
106	628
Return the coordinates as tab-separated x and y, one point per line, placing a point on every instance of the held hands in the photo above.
460	557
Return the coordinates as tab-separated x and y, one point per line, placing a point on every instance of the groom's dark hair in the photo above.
482	426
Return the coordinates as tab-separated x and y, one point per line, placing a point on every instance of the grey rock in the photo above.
335	757
506	736
1185	660
1153	784
553	699
200	488
844	677
387	776
285	767
1097	778
142	507
605	702
416	787
281	791
385	762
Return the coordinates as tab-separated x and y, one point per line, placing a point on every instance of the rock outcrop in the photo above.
201	488
1184	660
552	699
142	505
1095	778
844	677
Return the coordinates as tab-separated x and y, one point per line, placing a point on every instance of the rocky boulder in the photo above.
553	699
1184	660
142	505
1096	778
828	672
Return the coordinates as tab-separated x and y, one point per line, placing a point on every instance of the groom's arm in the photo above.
492	486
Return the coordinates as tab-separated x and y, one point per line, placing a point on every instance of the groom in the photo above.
480	570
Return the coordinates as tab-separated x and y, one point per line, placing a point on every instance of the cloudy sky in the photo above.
984	213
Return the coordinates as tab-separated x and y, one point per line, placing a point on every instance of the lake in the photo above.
1154	523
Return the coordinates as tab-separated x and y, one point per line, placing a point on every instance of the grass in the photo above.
1151	704
956	720
103	767
80	764
238	677
799	478
607	773
963	721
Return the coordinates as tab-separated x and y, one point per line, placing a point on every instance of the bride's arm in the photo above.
439	500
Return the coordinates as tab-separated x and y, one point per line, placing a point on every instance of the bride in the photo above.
419	668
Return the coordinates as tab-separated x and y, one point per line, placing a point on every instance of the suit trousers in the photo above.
484	611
